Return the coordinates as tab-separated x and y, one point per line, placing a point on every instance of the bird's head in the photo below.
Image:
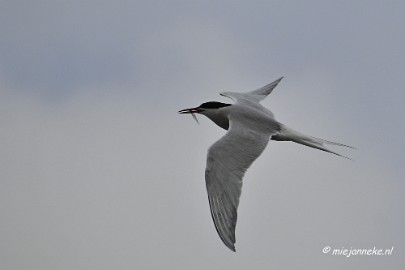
210	106
207	109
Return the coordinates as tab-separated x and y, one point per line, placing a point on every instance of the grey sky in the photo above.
98	171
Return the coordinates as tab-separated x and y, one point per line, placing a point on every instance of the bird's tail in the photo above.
288	134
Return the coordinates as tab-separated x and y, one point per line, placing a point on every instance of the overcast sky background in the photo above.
98	171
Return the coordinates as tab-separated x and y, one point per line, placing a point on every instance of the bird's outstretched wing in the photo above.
255	95
227	161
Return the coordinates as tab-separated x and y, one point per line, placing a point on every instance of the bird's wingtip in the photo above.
232	247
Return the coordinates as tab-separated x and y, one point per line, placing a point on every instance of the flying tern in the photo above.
249	127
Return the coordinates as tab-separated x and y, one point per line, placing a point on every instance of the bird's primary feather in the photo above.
255	95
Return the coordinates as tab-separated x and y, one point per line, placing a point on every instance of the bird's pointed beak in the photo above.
191	110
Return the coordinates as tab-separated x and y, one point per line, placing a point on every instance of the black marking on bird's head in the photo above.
213	105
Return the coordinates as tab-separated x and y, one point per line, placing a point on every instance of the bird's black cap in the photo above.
213	105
